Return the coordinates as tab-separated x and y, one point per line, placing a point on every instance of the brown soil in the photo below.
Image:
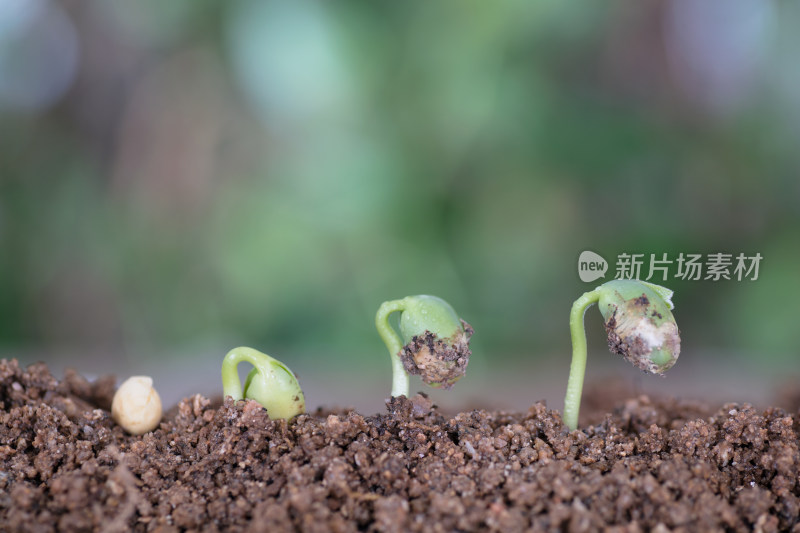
650	465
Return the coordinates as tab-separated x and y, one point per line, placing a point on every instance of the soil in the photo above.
659	465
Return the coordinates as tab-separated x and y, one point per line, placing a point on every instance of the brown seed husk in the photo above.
438	362
624	338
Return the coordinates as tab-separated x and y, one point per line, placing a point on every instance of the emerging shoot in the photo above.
136	405
640	327
434	344
270	383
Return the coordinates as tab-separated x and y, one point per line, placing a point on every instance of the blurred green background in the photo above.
178	178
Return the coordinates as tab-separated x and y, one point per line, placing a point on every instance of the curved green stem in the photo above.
394	344
577	369
270	383
231	385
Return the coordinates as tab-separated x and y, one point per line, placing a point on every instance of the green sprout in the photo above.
640	327
270	383
434	345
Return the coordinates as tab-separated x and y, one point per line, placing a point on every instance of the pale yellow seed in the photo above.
136	405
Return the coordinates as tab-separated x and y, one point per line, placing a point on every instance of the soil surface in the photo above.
657	465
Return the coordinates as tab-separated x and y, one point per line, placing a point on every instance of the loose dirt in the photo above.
659	465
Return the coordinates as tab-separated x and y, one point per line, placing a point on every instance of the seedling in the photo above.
434	345
640	327
270	383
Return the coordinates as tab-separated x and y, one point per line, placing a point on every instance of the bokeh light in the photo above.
38	54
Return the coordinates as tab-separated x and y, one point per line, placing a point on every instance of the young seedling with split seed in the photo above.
434	344
640	327
270	383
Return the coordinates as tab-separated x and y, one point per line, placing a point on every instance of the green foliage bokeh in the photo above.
268	173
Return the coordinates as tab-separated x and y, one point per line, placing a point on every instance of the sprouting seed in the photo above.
270	383
434	344
640	327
